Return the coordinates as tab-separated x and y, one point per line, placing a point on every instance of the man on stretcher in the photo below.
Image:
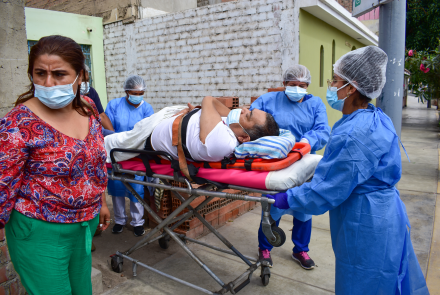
212	133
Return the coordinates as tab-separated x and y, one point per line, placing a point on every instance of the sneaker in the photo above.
264	255
117	228
304	260
138	231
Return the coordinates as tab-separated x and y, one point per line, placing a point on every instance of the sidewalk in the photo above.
418	188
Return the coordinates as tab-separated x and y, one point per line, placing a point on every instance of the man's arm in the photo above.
105	121
212	111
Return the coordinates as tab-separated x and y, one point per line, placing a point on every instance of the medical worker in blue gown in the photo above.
306	117
124	113
356	181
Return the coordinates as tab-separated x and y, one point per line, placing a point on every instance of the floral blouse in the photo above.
47	175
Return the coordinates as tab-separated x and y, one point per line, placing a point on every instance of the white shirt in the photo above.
219	143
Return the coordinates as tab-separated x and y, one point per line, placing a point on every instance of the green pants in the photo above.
51	258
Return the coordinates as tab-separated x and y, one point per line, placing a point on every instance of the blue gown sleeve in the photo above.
318	136
110	114
337	175
257	104
149	111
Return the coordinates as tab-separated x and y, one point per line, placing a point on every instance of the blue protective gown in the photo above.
307	119
123	117
356	181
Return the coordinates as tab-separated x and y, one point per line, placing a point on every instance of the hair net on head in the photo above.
298	73
365	69
135	82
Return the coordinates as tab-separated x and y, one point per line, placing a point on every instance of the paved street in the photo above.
418	188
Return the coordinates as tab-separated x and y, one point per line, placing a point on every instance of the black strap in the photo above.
248	164
184	127
228	161
206	165
145	159
301	155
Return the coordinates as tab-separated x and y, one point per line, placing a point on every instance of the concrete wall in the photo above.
230	49
13	57
40	23
13	79
315	33
170	5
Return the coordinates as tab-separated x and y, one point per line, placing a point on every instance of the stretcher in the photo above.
215	181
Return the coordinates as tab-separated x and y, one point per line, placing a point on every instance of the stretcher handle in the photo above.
134	151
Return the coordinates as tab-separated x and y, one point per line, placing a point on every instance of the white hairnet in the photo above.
298	73
135	82
365	69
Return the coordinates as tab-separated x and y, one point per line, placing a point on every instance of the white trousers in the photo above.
136	212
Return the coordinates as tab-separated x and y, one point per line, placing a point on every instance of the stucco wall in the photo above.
229	49
170	5
314	33
13	57
40	23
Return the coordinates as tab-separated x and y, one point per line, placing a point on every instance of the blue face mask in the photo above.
234	117
55	97
135	99
295	93
85	88
332	98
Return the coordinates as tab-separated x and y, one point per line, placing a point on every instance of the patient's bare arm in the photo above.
212	111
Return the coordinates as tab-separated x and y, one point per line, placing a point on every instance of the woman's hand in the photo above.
104	215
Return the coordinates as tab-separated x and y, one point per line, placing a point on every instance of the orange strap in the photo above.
177	141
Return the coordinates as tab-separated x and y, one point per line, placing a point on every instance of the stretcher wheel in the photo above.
116	264
265	279
164	242
265	275
280	237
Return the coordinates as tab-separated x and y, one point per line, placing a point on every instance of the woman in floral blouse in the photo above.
52	173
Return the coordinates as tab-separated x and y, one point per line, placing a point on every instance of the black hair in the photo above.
270	128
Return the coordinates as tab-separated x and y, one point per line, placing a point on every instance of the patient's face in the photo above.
248	119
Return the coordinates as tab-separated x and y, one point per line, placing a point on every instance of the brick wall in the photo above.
9	280
237	48
347	4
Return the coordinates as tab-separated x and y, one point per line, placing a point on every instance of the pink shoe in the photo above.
304	260
264	255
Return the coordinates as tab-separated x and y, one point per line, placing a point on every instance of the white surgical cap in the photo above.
365	69
298	73
135	83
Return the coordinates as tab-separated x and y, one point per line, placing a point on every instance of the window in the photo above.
86	51
333	56
321	67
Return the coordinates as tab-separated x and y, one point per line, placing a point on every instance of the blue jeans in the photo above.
301	234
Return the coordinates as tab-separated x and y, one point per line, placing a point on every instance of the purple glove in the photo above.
280	200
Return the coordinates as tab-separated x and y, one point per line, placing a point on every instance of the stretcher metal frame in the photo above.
274	234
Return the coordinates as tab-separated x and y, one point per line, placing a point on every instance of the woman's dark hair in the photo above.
270	128
71	53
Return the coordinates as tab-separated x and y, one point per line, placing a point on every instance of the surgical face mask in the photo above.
135	99
295	93
234	117
55	97
332	98
85	88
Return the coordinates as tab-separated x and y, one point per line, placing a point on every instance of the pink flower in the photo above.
423	69
411	53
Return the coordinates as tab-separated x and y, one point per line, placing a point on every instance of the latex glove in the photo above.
280	200
304	140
